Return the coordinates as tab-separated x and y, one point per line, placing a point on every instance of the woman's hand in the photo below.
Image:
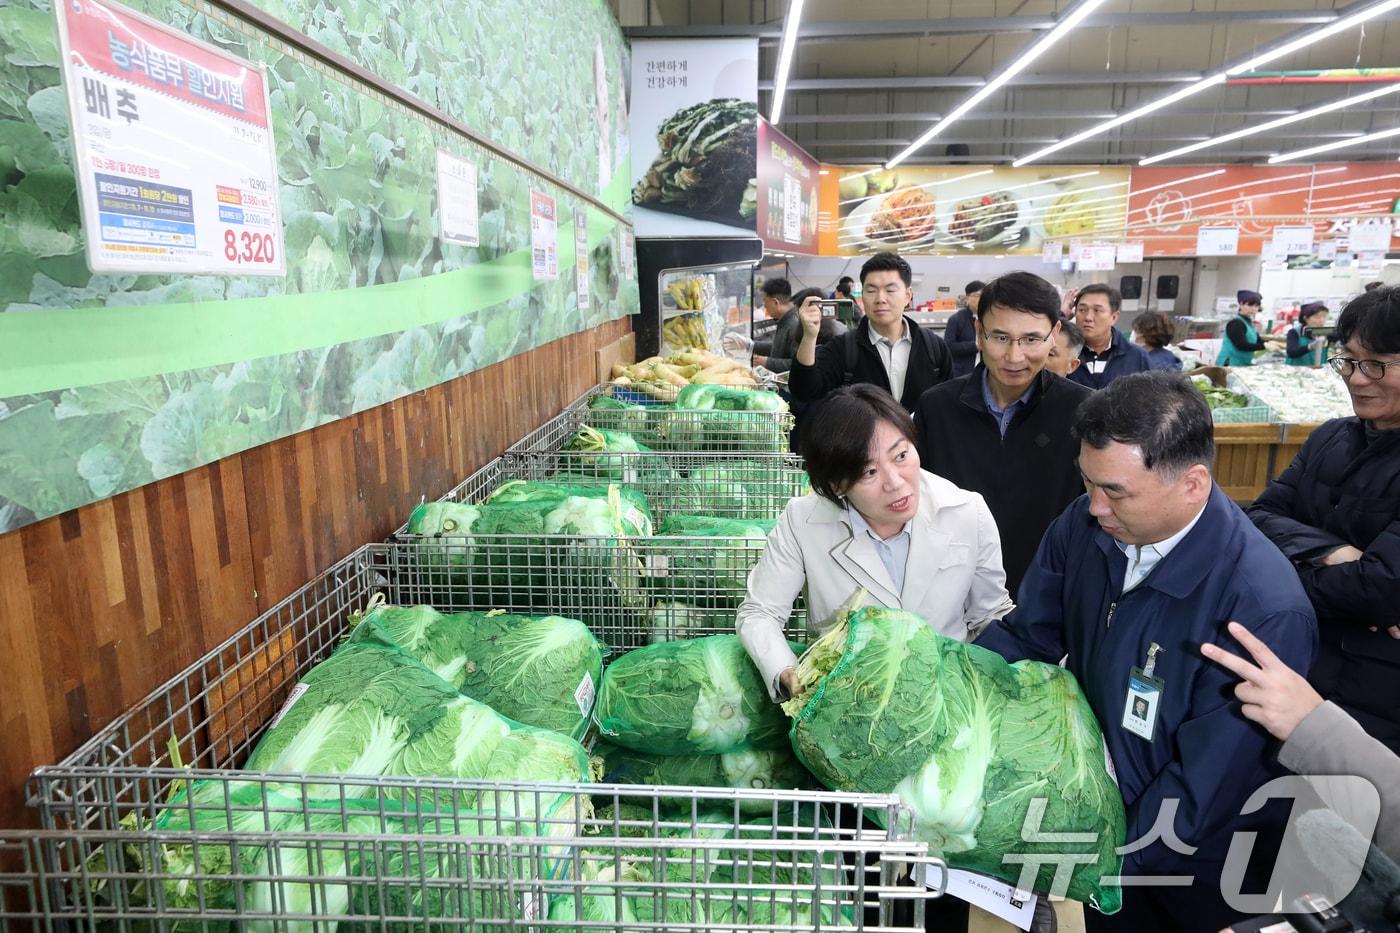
1274	695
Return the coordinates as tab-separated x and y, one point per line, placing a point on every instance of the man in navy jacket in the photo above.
1128	583
1107	354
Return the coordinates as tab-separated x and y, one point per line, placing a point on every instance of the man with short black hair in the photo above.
1107	353
961	331
885	349
778	306
1004	429
1127	585
1064	355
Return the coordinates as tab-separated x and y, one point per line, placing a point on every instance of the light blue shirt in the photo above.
1005	415
1141	559
894	552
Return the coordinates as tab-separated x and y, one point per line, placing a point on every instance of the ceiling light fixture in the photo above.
1340	144
1038	48
1210	81
1329	107
780	77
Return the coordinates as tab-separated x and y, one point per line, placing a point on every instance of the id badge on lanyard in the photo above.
1144	697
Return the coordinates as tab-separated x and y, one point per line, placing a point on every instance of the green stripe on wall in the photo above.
44	351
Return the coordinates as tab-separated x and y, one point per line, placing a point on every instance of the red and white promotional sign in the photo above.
172	139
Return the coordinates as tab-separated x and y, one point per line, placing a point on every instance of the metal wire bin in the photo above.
135	841
661	427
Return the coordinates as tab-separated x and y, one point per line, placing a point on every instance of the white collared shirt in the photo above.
1141	559
893	551
895	356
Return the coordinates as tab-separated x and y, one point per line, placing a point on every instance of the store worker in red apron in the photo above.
1241	340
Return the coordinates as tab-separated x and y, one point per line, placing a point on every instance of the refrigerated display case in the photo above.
703	289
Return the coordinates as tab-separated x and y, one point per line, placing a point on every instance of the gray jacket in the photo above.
1328	741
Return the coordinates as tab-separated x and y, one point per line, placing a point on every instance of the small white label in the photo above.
1282	926
1108	762
630	474
992	895
585	693
658	565
637	519
292	698
530	906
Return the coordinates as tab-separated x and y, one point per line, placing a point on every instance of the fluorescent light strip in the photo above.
1274	124
1340	144
1062	29
1316	35
780	77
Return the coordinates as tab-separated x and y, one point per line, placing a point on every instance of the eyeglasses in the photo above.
1002	341
1371	369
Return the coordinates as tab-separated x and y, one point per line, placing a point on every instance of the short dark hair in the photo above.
887	261
836	441
778	288
843	287
1159	412
1021	291
1074	337
1372	286
806	293
1115	300
975	285
1311	308
1155	329
1373	318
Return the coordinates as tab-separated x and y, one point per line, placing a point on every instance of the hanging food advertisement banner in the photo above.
787	193
694	123
581	269
961	209
458	204
173	147
544	236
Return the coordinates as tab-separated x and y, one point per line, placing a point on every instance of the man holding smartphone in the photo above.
885	349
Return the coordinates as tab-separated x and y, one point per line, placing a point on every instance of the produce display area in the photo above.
1284	403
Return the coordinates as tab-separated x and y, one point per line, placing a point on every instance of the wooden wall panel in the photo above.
101	605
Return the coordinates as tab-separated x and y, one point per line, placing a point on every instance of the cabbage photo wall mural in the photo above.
109	381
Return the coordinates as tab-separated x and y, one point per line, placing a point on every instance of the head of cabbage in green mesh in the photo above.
728	398
615	455
613	510
973	745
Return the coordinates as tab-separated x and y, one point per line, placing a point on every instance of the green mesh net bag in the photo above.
711	573
615	455
542	671
775	769
746	489
968	741
702	696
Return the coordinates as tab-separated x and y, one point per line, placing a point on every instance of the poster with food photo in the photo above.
694	124
943	210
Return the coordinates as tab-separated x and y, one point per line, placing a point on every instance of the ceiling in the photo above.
863	87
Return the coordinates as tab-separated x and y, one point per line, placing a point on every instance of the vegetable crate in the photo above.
747	486
662	427
145	824
1257	411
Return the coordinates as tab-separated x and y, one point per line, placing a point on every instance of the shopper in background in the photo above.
1004	430
1335	513
961	331
777	306
1063	358
1107	354
1128	580
1154	331
788	332
1241	340
844	289
1303	344
885	349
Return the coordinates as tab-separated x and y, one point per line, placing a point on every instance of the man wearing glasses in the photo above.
1335	512
1004	430
885	349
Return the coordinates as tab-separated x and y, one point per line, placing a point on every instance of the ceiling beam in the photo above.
925	82
1042	140
839	31
872	117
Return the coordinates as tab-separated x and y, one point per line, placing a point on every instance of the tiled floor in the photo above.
1069	914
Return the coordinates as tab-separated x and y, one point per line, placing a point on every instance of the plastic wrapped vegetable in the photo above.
968	741
604	411
539	670
672	620
728	398
747	489
616	456
712	574
776	768
696	697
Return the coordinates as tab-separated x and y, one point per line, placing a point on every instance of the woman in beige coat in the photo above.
876	522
